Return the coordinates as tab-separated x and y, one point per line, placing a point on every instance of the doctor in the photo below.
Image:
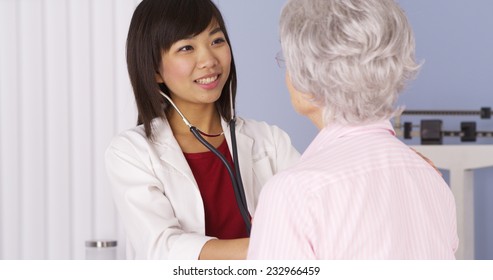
174	196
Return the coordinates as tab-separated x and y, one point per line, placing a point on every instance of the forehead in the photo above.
213	26
212	29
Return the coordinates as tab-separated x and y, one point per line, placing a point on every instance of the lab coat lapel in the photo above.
169	150
245	150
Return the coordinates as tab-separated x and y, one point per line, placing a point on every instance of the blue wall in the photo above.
455	40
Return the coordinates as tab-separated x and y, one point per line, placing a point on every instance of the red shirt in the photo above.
222	215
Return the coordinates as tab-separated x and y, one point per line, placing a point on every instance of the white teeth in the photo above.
207	80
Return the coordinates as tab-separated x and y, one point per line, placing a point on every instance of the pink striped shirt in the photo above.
357	193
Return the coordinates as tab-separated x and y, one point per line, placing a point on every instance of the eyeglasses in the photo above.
280	60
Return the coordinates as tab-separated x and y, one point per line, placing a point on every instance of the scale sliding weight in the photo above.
431	131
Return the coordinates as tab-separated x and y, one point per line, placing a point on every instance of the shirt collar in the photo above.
332	132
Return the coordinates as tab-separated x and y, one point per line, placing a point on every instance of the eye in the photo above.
218	41
185	48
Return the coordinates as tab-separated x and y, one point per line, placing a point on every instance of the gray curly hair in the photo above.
353	56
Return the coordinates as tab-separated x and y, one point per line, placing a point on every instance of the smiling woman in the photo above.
175	197
195	70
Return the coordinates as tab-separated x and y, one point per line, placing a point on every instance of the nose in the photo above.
207	59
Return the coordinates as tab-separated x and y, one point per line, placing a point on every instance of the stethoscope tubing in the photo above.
236	180
240	188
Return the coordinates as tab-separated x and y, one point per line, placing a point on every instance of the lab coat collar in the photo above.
168	148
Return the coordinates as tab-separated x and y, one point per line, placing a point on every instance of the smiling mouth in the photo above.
206	81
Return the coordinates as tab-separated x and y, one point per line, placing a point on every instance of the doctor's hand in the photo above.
427	160
225	249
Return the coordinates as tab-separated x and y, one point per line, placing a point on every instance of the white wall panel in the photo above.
64	93
32	126
81	126
103	76
126	112
10	172
57	129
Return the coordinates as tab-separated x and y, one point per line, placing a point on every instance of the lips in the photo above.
207	80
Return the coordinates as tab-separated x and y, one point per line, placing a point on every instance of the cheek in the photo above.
297	103
173	71
299	100
292	91
225	57
295	99
176	71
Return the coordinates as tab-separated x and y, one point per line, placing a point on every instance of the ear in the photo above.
159	79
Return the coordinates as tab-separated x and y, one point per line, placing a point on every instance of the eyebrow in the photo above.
212	32
215	30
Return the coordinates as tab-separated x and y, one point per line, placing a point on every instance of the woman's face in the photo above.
195	69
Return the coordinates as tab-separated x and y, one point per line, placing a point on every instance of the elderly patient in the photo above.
357	192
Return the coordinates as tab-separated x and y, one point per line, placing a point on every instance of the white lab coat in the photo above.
157	196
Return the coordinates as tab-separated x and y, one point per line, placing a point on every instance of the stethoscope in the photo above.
236	181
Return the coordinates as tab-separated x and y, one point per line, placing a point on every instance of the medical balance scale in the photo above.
460	160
